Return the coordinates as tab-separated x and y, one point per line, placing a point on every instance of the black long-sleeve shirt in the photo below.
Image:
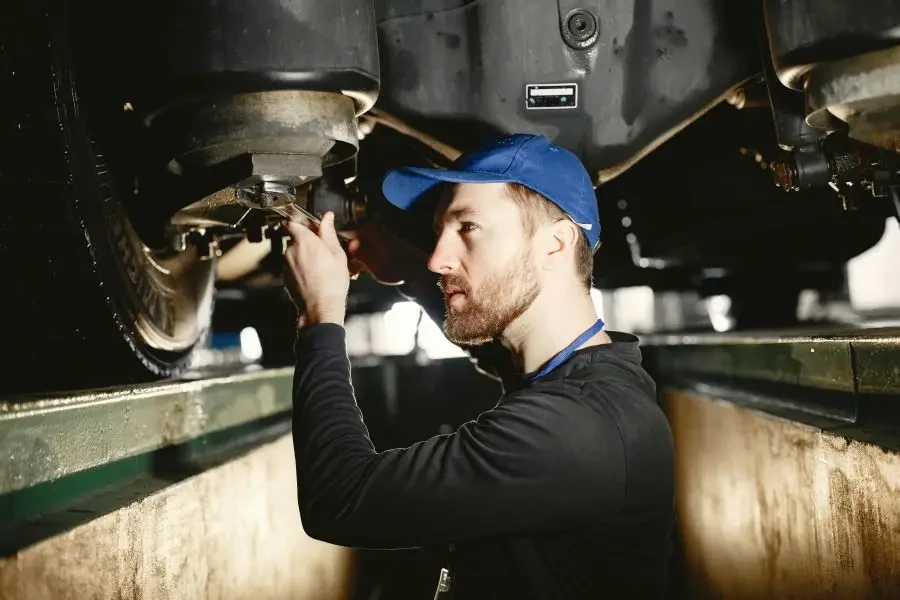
563	490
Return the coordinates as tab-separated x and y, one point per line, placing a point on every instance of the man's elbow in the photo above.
328	532
323	525
317	530
317	524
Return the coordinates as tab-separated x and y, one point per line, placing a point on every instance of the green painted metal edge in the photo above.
863	361
32	514
878	366
43	439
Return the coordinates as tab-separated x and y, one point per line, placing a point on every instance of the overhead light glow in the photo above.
251	346
434	343
398	329
718	308
597	299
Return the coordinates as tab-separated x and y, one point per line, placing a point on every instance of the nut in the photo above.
580	29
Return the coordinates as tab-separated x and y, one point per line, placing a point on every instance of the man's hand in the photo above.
316	273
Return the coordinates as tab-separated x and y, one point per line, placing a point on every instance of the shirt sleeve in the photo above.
531	464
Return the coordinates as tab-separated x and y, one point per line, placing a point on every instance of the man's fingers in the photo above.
328	234
296	229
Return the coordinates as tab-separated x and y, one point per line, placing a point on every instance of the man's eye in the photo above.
466	227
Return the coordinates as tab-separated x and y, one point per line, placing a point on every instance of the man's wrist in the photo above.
324	315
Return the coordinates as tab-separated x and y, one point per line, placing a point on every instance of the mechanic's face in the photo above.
484	259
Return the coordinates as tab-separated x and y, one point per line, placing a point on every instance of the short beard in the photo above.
500	300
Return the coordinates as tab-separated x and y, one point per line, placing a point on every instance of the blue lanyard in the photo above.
570	349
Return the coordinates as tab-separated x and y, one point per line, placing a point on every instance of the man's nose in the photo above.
443	259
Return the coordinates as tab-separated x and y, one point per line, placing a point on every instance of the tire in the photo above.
85	304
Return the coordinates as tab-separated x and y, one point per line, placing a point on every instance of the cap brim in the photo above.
402	187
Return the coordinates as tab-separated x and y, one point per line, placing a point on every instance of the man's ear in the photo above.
561	235
565	233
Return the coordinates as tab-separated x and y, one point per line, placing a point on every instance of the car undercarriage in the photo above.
150	151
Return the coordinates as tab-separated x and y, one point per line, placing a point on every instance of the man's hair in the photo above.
536	211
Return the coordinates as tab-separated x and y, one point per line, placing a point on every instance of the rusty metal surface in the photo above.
42	439
772	509
863	92
233	532
320	125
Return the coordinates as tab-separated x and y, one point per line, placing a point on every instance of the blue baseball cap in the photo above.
530	160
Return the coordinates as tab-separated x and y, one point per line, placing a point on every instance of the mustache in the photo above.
454	282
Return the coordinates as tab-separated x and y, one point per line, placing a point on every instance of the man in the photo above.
565	488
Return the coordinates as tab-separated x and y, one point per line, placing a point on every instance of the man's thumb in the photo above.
328	234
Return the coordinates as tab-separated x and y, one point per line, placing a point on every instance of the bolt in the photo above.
263	195
582	27
738	98
180	242
245	194
275	189
783	174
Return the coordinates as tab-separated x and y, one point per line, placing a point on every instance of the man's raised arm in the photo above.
524	466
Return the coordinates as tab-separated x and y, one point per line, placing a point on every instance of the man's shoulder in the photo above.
611	386
617	365
625	392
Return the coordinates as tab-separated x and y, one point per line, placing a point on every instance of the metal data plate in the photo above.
551	96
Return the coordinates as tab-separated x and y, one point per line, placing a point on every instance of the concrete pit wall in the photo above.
771	509
233	532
